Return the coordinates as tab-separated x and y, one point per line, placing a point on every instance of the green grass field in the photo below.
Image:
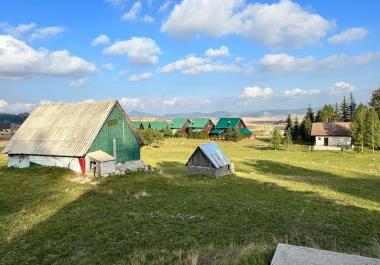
327	200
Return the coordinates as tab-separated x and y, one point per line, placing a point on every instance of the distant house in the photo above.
180	124
209	160
5	127
77	136
231	123
198	125
145	125
332	136
159	125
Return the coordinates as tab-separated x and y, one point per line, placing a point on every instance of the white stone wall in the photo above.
333	141
19	161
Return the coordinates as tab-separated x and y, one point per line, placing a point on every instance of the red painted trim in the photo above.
82	163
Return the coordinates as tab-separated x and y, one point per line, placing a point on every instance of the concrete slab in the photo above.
293	255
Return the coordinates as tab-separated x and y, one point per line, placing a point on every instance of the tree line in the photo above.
364	120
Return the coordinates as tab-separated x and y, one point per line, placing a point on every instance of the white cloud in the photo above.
147	19
212	68
79	82
283	62
341	87
256	92
342	60
279	24
117	3
348	35
102	39
46	33
130	103
17	31
18	61
192	65
300	92
140	50
133	13
3	103
183	64
165	6
178	103
139	77
108	66
220	52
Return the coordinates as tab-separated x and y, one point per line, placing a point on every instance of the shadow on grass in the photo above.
151	219
364	186
34	185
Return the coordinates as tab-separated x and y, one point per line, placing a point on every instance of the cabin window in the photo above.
112	122
319	138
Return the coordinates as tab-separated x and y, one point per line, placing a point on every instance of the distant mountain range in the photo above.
218	114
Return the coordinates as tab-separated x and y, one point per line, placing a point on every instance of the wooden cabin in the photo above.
209	160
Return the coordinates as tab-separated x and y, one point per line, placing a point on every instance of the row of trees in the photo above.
365	121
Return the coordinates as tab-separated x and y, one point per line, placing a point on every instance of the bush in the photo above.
198	135
150	136
180	134
168	133
233	135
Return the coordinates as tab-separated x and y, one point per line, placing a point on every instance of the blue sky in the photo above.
191	55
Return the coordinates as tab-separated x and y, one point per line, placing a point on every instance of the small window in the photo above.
319	138
112	122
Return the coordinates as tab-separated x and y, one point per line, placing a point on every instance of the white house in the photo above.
332	136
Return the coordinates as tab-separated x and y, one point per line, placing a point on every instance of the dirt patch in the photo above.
84	180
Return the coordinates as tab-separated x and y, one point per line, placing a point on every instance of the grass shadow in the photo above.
114	223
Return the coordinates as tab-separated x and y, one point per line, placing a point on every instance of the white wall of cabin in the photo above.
333	140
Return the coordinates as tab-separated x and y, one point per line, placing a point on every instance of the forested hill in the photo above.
13	118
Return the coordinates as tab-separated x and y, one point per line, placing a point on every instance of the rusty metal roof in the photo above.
331	129
60	129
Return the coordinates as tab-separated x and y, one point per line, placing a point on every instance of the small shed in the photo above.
209	160
101	163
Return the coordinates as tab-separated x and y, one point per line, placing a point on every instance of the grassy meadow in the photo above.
327	200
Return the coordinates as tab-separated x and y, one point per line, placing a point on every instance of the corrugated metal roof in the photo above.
214	154
198	123
245	131
224	123
101	156
159	125
178	123
60	129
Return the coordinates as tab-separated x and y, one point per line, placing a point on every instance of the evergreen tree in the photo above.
351	108
310	113
372	125
375	101
344	110
306	128
289	123
359	127
288	138
296	129
276	138
327	114
337	112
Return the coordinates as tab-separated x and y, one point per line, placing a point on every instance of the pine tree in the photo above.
276	139
344	110
372	125
351	108
375	101
358	127
296	129
310	113
327	114
306	128
337	112
289	123
288	138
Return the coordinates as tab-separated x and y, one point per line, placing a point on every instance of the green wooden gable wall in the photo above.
116	126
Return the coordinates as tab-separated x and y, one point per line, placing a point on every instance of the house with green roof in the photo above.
198	125
231	123
179	124
145	125
136	124
159	125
